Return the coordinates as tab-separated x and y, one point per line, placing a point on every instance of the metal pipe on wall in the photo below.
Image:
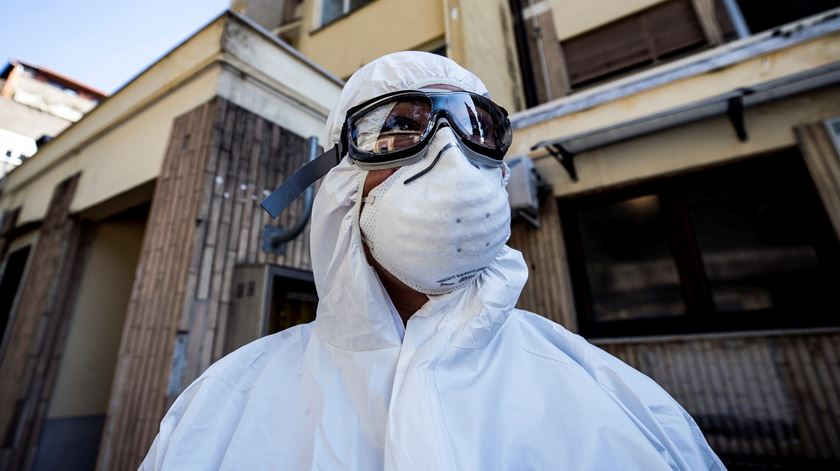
737	18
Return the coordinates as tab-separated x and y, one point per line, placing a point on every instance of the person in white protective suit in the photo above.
417	359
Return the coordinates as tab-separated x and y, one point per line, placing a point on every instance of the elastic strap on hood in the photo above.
289	190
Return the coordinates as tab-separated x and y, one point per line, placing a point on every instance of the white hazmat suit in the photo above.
471	383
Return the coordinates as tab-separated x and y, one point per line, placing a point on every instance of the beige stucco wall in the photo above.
480	37
86	371
377	28
770	127
275	85
572	17
778	64
703	143
127	156
121	144
151	84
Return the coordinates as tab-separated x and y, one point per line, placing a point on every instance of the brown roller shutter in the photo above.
606	50
635	41
673	27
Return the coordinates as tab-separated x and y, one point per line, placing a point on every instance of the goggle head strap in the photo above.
289	190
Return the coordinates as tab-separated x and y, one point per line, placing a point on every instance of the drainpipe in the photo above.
520	30
737	18
275	238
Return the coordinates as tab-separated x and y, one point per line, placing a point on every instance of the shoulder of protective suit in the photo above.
240	368
650	405
546	328
549	339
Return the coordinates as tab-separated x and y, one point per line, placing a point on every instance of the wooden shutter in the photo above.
673	27
641	39
606	50
546	57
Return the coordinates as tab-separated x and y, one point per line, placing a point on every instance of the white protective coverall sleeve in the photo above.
471	383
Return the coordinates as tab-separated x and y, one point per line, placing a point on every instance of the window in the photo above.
655	34
333	9
9	283
762	15
634	275
745	246
440	50
293	301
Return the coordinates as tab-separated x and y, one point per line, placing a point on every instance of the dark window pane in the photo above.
747	245
293	302
357	3
10	282
628	259
330	10
441	51
756	233
333	9
761	15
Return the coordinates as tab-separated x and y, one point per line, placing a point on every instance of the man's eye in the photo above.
398	123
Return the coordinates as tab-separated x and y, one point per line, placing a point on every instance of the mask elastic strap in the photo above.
289	190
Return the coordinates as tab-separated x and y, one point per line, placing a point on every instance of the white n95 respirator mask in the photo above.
437	223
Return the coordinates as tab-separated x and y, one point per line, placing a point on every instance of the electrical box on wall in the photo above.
246	319
522	186
267	299
525	189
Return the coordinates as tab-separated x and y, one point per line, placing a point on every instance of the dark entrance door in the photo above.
9	283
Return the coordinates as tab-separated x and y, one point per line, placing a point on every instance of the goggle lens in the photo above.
391	126
475	119
402	122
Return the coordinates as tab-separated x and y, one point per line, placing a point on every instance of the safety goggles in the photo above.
393	130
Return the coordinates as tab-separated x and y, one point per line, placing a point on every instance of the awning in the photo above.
732	104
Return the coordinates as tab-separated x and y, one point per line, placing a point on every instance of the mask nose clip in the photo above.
440	123
431	166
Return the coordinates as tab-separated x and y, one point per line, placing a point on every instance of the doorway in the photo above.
79	401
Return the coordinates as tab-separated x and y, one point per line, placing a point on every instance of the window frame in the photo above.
346	10
701	314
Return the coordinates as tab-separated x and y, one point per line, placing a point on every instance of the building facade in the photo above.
693	225
122	238
688	223
36	104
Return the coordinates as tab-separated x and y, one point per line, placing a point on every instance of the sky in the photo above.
102	43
